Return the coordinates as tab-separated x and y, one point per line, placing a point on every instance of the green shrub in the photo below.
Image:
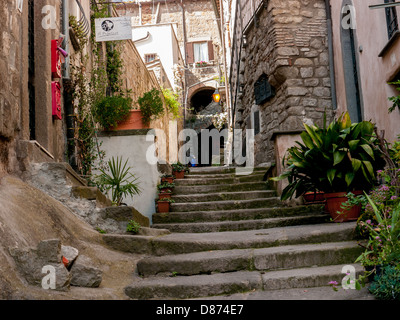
112	110
386	286
133	227
171	100
151	105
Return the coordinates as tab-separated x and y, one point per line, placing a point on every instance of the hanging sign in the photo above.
112	29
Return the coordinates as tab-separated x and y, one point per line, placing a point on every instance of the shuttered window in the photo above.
199	51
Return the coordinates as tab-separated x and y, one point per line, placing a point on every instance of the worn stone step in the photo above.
224	169
235	215
244	186
177	243
225	205
186	287
265	259
221	196
222	226
208	181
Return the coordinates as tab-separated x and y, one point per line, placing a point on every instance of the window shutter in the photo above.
189	52
210	51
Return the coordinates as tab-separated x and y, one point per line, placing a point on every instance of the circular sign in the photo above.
107	25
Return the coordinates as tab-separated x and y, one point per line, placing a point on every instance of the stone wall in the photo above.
10	82
288	43
15	129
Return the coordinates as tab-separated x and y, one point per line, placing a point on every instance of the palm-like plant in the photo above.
337	158
119	180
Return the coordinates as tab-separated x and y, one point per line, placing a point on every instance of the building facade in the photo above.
366	55
280	69
198	36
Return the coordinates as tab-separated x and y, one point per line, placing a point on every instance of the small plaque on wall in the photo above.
263	91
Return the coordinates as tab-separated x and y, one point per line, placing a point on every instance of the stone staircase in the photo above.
230	234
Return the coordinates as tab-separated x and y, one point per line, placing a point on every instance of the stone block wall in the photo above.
288	43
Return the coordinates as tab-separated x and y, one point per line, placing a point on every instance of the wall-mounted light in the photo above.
244	41
216	96
20	5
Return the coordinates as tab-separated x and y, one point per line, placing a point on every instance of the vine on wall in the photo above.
96	71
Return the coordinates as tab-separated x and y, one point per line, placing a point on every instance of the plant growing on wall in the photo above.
151	105
172	102
92	104
395	99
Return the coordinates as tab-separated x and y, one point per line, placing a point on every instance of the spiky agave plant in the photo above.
118	178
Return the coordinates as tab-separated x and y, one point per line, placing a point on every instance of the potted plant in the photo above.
165	189
313	197
151	106
335	159
163	204
169	178
109	112
178	170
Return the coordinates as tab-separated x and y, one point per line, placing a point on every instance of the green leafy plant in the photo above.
353	200
178	167
119	180
172	102
166	200
340	157
133	227
386	285
166	186
151	105
100	230
383	247
395	99
111	110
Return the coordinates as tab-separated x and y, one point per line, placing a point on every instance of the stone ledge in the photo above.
132	132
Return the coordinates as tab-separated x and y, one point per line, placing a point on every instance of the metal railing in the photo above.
83	22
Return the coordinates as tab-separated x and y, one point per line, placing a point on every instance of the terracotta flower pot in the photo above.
179	174
333	205
314	197
163	206
134	121
166	195
168	179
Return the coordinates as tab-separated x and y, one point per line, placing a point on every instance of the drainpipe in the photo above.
330	51
185	60
65	31
67	97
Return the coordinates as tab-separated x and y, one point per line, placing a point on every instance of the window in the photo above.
150	57
391	19
199	51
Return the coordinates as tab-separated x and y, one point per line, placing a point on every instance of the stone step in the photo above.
222	226
235	215
245	186
221	196
225	205
178	243
186	287
211	181
223	169
265	259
